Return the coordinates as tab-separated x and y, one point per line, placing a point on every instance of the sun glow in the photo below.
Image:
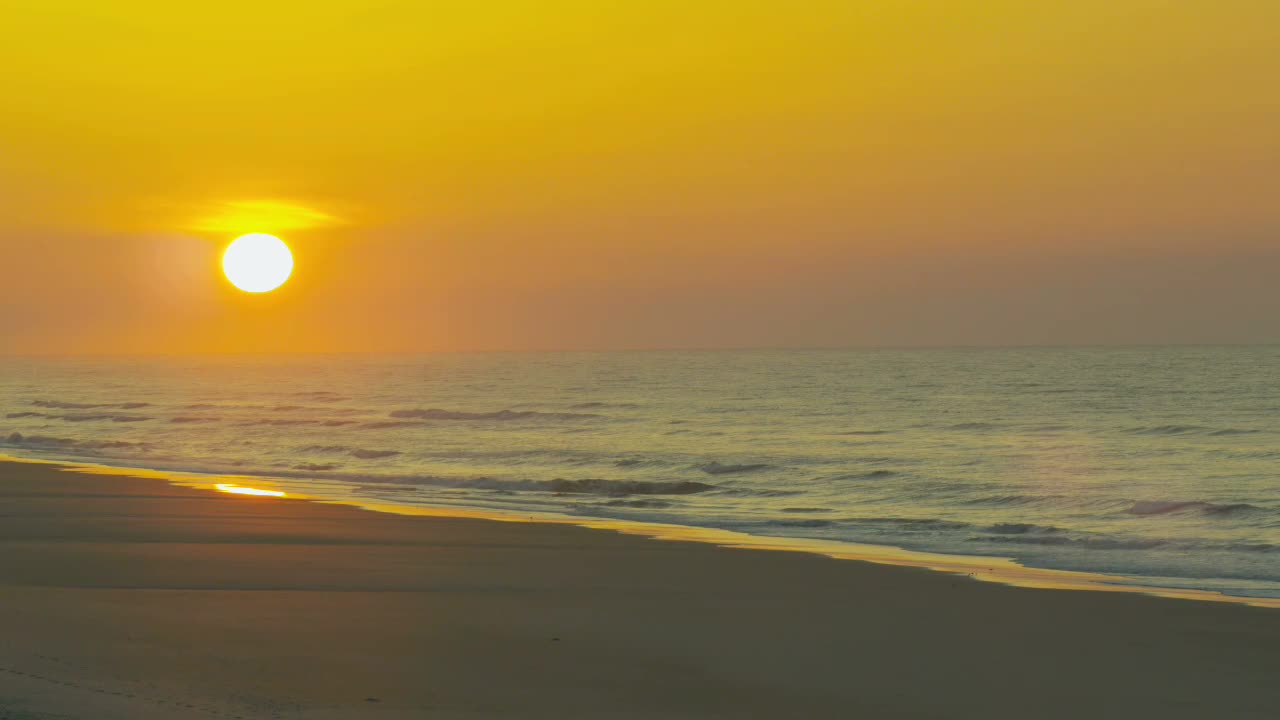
257	263
269	215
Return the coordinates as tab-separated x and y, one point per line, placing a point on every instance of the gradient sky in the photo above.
596	175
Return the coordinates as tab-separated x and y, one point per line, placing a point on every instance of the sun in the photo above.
257	263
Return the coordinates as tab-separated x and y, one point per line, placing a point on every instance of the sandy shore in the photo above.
133	599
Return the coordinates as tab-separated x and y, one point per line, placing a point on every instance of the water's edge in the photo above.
999	570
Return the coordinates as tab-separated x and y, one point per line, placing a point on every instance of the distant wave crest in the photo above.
59	405
501	415
1168	507
716	468
83	417
1188	430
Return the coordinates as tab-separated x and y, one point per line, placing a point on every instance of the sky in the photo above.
558	174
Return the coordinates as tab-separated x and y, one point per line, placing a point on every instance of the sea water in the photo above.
1160	464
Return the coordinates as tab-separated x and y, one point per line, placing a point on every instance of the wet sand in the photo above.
124	598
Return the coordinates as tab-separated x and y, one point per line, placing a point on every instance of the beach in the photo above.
134	598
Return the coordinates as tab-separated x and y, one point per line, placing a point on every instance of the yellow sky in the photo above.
550	174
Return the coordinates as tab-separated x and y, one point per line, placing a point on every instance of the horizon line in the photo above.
689	349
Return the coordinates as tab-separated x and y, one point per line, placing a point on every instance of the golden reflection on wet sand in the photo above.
242	490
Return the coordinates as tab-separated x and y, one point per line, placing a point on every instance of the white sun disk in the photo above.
257	263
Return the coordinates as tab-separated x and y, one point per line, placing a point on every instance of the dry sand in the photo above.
132	599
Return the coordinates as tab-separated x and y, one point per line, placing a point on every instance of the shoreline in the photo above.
994	569
130	599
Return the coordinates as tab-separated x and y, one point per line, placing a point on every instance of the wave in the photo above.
501	415
316	467
867	475
975	426
1188	430
320	396
1165	430
594	405
1048	428
646	503
194	419
326	449
96	417
587	486
758	493
863	432
59	405
804	523
362	453
1168	507
716	468
1250	454
598	486
305	408
1018	500
373	454
913	524
1021	529
1106	505
389	424
324	422
1092	541
82	417
50	443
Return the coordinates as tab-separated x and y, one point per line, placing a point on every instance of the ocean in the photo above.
1157	464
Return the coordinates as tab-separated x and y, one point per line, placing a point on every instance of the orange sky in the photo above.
544	175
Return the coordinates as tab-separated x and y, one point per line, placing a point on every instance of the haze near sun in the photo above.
257	263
